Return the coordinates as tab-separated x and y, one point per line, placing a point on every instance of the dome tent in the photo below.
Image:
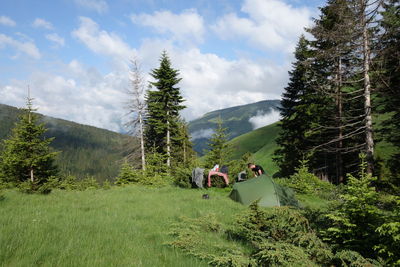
265	190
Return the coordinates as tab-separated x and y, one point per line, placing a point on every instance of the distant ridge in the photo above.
85	150
236	119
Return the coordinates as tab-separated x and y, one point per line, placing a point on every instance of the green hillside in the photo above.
261	143
85	150
236	119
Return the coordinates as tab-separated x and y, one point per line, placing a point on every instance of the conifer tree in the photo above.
182	151
389	83
219	152
302	107
26	156
163	105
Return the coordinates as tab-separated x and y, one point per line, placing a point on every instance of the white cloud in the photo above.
41	23
102	42
81	95
264	119
54	37
187	26
27	47
203	133
7	21
100	6
270	24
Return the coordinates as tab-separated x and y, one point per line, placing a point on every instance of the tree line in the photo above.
343	95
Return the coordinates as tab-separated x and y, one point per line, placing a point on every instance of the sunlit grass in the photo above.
125	226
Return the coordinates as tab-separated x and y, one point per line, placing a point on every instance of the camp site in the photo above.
200	133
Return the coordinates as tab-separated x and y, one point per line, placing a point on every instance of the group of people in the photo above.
256	169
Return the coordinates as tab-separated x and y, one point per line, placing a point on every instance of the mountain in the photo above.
238	120
261	143
85	150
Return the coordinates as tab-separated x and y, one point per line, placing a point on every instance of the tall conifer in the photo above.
26	156
163	105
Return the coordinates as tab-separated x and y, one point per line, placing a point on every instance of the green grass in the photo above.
261	143
123	226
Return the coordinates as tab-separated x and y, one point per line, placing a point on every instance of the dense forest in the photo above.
343	94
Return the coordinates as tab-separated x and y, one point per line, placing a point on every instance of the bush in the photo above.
30	187
106	185
305	182
128	175
389	234
274	232
354	219
182	177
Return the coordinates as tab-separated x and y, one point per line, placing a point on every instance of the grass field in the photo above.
123	226
261	143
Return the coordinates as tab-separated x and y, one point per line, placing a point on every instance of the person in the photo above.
257	169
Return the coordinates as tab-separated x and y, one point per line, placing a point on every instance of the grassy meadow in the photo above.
122	226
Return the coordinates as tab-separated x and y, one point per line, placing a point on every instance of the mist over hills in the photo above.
85	150
238	120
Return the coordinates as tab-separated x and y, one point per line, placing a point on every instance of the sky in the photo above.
75	54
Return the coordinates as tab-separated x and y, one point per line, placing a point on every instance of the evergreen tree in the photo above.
219	152
163	105
389	84
182	152
300	111
26	156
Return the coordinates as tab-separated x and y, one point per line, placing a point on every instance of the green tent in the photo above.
264	189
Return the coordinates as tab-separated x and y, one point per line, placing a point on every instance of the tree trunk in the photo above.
168	142
339	105
367	95
32	180
142	141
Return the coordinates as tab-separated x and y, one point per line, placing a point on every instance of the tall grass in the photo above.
125	226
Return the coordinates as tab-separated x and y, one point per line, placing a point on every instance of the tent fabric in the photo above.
198	176
263	189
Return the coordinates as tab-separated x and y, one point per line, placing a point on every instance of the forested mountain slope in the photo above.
236	119
85	150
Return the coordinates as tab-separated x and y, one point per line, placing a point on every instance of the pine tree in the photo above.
27	156
163	105
219	152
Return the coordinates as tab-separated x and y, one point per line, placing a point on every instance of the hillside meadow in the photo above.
122	226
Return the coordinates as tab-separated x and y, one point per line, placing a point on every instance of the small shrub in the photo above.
389	235
281	254
128	175
351	258
182	177
88	183
353	220
106	185
30	187
305	182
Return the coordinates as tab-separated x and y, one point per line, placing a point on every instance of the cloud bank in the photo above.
264	119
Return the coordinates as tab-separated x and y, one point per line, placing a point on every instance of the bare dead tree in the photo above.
136	106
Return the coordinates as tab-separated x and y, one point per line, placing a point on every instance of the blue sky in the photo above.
74	54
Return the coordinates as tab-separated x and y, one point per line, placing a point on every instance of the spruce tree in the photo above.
219	151
163	106
389	83
27	156
300	108
182	151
